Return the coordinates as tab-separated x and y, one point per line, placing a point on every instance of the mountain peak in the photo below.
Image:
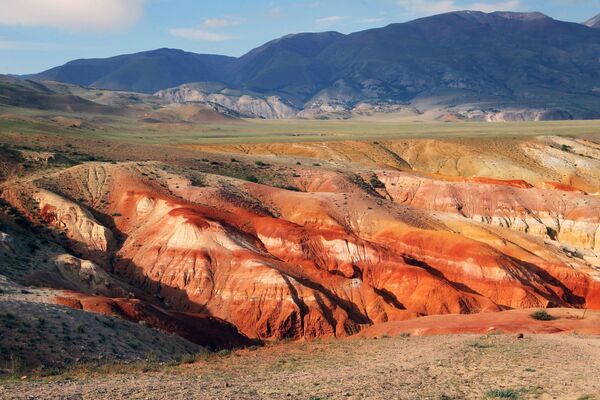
593	22
521	16
483	17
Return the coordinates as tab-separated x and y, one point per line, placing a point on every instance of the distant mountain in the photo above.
593	22
475	60
30	94
144	72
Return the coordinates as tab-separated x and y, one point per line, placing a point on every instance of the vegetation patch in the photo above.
502	394
542	315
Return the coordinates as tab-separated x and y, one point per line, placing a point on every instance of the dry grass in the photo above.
131	130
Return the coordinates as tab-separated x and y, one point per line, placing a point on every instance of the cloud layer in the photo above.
74	15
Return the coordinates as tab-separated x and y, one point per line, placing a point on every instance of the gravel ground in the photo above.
433	367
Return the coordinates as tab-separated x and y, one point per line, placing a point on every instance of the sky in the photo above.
39	34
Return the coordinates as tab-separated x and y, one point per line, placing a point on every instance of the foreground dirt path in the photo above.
432	367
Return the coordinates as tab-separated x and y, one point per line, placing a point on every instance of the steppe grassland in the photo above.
131	130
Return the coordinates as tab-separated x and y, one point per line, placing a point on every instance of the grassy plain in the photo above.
134	130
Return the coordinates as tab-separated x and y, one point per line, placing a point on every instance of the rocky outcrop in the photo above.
239	103
92	239
209	332
6	243
593	22
512	115
570	217
513	321
85	275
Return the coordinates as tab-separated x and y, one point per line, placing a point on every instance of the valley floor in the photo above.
430	367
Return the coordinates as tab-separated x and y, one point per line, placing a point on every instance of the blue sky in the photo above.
39	34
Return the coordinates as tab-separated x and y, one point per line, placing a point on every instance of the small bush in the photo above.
290	188
542	315
586	397
480	345
376	183
224	353
251	178
188	359
502	394
260	163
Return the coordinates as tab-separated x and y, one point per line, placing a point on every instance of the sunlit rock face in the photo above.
328	261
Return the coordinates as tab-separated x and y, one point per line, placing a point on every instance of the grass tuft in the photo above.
542	315
502	394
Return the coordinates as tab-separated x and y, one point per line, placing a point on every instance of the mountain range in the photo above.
477	64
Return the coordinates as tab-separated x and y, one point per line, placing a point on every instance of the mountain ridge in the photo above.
593	22
503	60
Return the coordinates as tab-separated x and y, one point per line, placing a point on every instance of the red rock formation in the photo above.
514	321
278	263
204	330
518	183
559	186
568	216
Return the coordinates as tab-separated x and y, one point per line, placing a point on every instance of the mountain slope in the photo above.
144	72
593	22
289	65
30	94
473	55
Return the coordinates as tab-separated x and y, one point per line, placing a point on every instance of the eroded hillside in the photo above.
323	240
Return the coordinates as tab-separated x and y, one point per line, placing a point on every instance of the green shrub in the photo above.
188	359
224	353
376	183
502	394
542	315
251	178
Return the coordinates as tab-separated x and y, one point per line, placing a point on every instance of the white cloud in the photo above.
213	23
429	7
74	15
275	14
14	45
372	20
331	20
206	30
200	34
